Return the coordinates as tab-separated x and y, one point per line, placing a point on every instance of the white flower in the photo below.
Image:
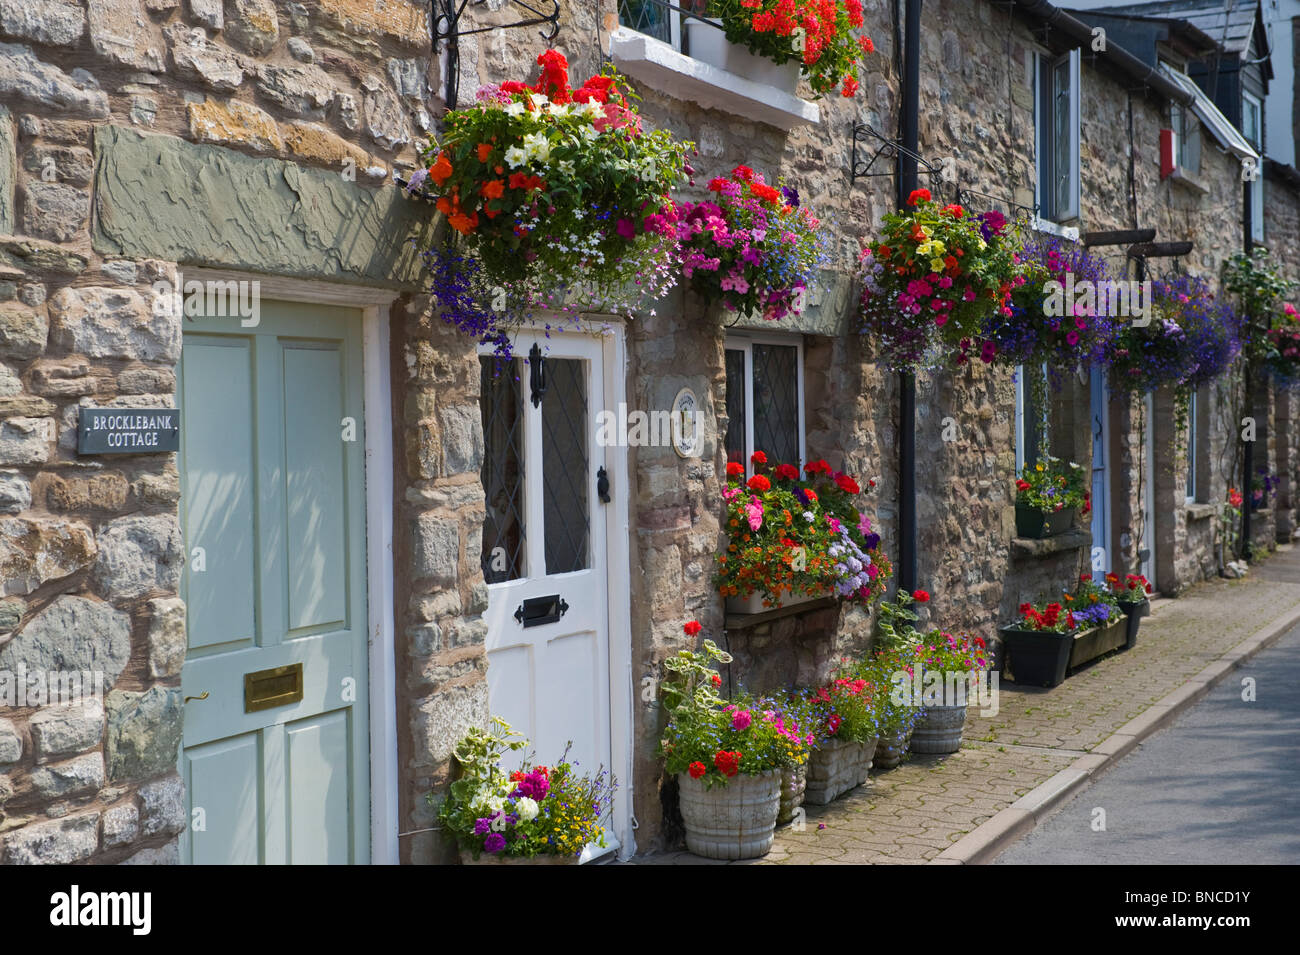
516	110
566	167
527	809
537	146
589	133
515	157
540	100
559	109
497	803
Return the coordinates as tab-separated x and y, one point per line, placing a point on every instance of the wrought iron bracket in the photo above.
967	197
869	146
445	26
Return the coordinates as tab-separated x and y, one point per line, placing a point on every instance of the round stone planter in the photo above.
835	767
939	729
890	750
709	44
735	821
467	858
794	781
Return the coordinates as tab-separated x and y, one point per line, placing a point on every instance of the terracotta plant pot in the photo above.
1035	524
835	767
1038	657
939	729
794	781
467	858
735	821
890	750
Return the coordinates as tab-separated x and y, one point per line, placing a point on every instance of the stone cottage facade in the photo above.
320	537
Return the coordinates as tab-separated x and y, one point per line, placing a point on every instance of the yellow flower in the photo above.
936	265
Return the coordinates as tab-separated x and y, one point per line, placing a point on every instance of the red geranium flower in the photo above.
735	469
692	628
758	457
920	596
717	680
743	172
697	769
759	483
787	471
728	763
813	467
847	484
918	195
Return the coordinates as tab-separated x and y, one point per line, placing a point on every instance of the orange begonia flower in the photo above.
440	170
484	150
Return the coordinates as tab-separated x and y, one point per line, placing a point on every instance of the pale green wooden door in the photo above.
273	510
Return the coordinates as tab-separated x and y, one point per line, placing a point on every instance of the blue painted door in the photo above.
1099	421
272	468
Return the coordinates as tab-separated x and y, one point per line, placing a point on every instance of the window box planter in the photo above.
754	602
1034	524
1135	611
835	767
467	858
709	44
1038	657
1098	641
735	821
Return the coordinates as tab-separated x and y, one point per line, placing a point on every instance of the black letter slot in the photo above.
536	611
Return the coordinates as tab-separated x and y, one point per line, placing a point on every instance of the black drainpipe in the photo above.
907	180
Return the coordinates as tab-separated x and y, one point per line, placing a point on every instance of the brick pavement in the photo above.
910	814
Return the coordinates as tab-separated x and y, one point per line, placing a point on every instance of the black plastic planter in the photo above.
1035	524
1038	657
1136	610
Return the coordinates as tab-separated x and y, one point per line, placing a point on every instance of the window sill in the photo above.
1189	181
1055	228
1030	548
743	621
1199	512
660	66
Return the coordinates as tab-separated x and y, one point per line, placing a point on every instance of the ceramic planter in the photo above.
1135	611
732	821
710	45
939	729
1038	657
835	767
1035	524
467	858
794	780
1098	641
754	602
890	750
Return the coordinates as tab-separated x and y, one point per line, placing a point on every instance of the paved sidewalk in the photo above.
911	814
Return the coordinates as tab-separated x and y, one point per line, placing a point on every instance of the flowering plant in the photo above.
1263	488
1052	486
1050	322
894	624
818	33
756	249
1259	286
846	708
556	198
1282	351
534	810
1051	617
711	738
1092	604
939	650
798	535
934	279
1133	588
896	713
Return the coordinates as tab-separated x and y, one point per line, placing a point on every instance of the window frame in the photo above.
1045	67
744	342
1192	485
1253	104
1022	404
676	32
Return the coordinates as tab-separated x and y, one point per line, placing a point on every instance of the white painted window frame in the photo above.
744	342
1253	102
1193	470
1044	61
374	304
1021	404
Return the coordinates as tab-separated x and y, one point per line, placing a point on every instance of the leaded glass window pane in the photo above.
501	405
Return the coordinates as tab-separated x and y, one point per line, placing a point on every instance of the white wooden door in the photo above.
545	547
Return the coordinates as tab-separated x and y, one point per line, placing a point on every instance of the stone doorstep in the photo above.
983	844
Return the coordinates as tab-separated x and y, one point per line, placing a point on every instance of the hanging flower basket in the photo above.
753	248
792	537
555	198
817	35
933	280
